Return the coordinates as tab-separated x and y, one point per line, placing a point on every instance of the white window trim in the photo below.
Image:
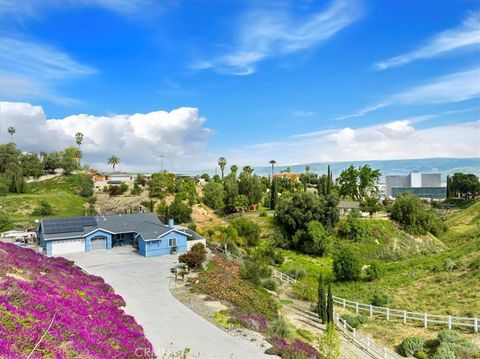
170	242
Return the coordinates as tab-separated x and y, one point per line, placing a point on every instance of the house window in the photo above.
172	242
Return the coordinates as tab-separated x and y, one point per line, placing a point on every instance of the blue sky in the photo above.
296	81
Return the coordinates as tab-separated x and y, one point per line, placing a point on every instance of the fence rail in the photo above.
425	318
366	343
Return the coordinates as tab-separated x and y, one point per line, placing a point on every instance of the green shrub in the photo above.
270	284
354	228
297	273
279	327
466	350
448	336
4	222
43	209
305	334
420	355
374	271
355	321
381	299
263	214
306	289
444	351
247	229
347	265
449	265
411	345
255	270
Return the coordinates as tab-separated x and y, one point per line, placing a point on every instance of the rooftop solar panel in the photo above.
65	225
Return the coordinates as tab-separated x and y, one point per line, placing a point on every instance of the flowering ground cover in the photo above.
255	308
53	306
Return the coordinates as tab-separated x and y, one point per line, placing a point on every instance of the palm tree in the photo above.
113	160
222	162
11	130
273	163
307	168
79	140
234	170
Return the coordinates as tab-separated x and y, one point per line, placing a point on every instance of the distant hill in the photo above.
445	166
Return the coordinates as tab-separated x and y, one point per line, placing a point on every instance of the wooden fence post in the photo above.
449	322
404	317
356	307
371	310
425	319
475	325
388	313
354	336
368	344
344	302
385	356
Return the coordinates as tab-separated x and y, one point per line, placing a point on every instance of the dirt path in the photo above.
298	313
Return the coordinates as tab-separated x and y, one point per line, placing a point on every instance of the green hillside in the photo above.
60	192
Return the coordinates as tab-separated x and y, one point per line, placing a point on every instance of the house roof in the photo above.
59	228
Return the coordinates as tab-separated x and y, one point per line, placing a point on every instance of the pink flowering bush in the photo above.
292	350
88	320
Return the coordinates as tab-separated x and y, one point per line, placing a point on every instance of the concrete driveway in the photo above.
168	324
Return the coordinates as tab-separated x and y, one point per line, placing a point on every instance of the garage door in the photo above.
99	243
68	246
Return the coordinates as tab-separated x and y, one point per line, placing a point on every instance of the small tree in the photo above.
322	300
195	257
43	209
329	343
347	265
370	204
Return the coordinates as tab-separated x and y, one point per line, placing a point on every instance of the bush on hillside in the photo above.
255	270
247	229
355	321
180	211
5	222
43	209
195	257
347	265
297	273
374	271
415	217
279	328
270	284
448	336
444	351
411	345
354	228
381	299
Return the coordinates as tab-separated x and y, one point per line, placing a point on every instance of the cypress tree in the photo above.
330	305
322	305
329	180
274	194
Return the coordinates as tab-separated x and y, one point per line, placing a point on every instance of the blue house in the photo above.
143	231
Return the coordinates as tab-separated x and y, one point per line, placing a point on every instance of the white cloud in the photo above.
456	87
33	70
465	36
269	33
398	139
138	139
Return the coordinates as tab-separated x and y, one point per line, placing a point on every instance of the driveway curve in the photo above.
168	324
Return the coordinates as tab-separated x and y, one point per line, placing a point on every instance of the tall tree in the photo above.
11	130
78	141
222	163
329	181
273	194
307	169
330	318
234	170
358	183
113	161
322	300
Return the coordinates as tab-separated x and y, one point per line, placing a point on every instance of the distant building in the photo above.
423	185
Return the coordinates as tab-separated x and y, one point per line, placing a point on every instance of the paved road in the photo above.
168	324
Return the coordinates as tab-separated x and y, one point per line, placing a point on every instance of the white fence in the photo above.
425	318
364	342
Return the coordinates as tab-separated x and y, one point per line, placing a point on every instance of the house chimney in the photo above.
170	223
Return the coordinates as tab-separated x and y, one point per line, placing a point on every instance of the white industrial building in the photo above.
423	185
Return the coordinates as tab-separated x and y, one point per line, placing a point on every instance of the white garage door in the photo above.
68	246
98	243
